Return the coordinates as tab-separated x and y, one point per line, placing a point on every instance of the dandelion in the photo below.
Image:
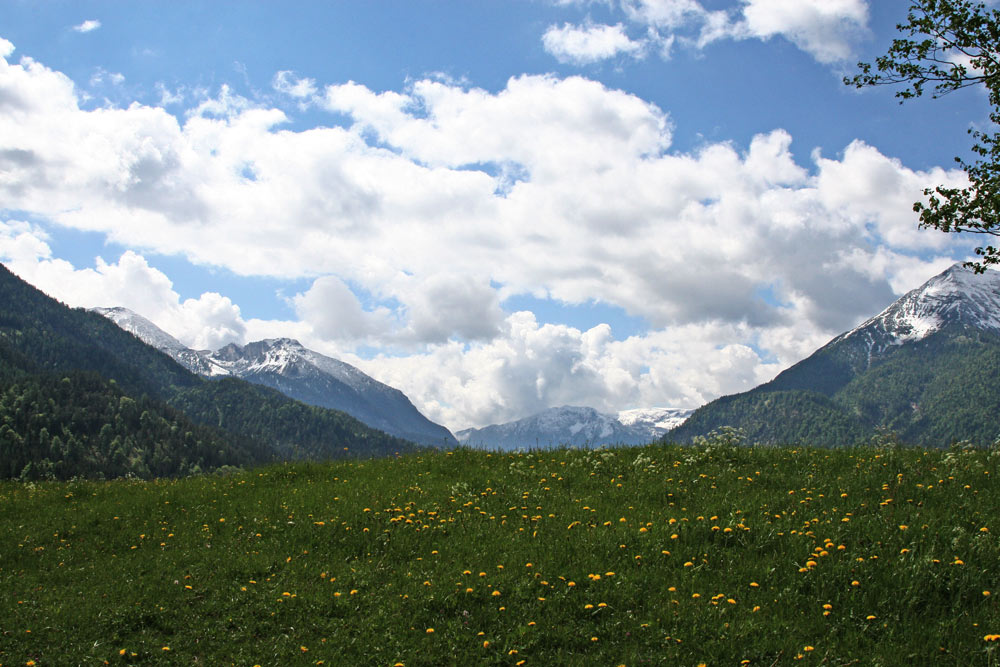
430	631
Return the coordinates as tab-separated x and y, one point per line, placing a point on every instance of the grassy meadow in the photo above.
656	555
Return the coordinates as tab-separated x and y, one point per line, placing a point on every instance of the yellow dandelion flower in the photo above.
430	631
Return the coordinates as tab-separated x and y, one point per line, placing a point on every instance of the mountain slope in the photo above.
44	345
284	364
575	426
925	367
313	378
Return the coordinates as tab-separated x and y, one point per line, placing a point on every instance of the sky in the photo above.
497	206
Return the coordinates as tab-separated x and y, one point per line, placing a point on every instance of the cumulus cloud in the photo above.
439	201
586	44
207	322
88	26
533	366
826	29
335	313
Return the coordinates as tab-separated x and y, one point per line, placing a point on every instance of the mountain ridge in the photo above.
575	426
81	396
896	371
303	374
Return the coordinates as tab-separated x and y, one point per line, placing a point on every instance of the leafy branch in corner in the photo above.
949	45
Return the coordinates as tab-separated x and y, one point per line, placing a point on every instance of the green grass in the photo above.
635	556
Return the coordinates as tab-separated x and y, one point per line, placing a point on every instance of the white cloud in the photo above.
589	43
286	82
440	201
102	75
532	366
88	26
335	313
207	322
826	29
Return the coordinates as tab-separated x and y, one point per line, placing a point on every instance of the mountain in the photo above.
320	380
152	335
654	423
924	368
574	426
81	396
284	364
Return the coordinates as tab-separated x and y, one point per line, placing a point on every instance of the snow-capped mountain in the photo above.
924	368
137	325
956	297
300	373
575	426
655	422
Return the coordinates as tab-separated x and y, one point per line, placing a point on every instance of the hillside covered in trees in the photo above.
81	397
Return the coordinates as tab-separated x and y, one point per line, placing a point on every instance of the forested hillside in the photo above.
81	397
933	392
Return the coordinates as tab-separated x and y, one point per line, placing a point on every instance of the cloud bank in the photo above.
435	203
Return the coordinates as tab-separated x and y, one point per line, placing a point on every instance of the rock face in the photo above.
925	367
300	373
577	427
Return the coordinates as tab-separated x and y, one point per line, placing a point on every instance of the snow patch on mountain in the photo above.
958	295
656	421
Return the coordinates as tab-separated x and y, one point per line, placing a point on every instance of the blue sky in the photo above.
497	207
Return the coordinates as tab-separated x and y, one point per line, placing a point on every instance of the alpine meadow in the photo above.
512	332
